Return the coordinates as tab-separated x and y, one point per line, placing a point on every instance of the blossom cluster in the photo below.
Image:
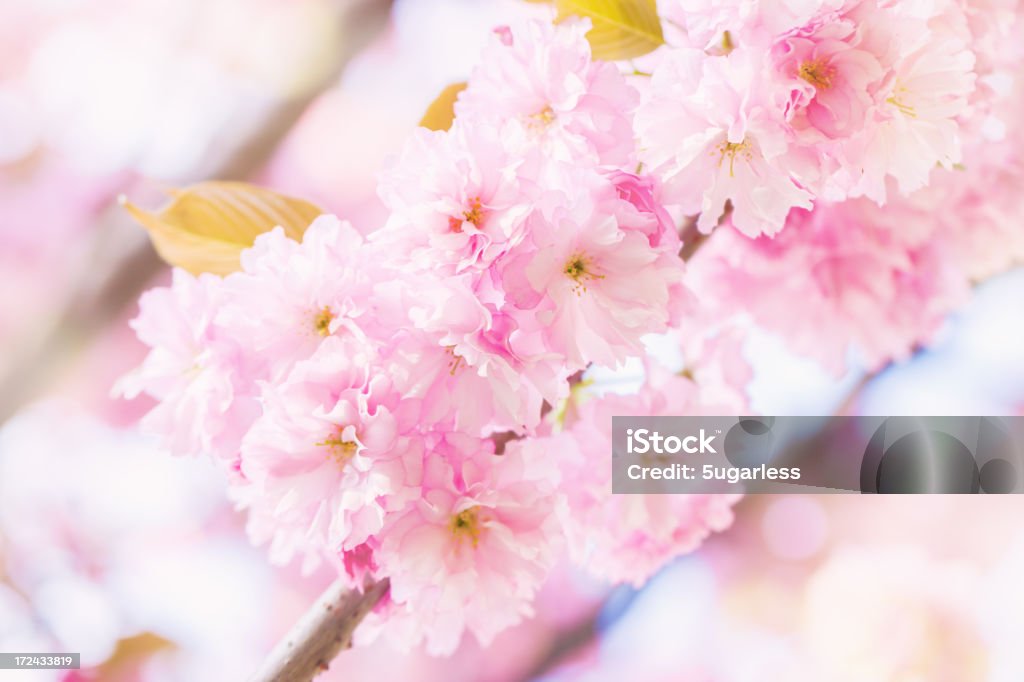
353	386
857	156
799	103
400	401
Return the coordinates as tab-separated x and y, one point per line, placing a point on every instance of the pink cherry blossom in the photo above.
472	551
594	285
627	538
915	126
715	362
859	281
459	359
194	371
709	130
975	206
643	193
536	83
458	198
832	81
702	25
290	296
979	211
333	447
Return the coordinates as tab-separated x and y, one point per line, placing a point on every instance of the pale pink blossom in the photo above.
289	296
980	216
628	538
861	282
710	130
916	123
757	23
832	81
456	355
471	553
536	83
194	369
699	25
643	193
716	363
594	284
459	200
976	207
334	448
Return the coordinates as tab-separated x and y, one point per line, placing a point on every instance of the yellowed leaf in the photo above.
441	112
131	653
622	29
206	226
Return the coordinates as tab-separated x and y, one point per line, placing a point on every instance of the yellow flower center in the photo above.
322	321
474	215
341	451
579	269
817	73
542	118
466	525
731	149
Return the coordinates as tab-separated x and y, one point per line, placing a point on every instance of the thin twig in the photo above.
321	634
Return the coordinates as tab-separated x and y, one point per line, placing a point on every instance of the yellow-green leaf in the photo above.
131	654
441	112
206	226
622	29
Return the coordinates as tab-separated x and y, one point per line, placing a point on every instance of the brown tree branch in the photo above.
691	237
321	634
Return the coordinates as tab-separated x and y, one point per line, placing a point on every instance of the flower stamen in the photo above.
322	321
456	361
541	119
338	449
731	149
473	215
817	73
466	524
895	100
579	269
